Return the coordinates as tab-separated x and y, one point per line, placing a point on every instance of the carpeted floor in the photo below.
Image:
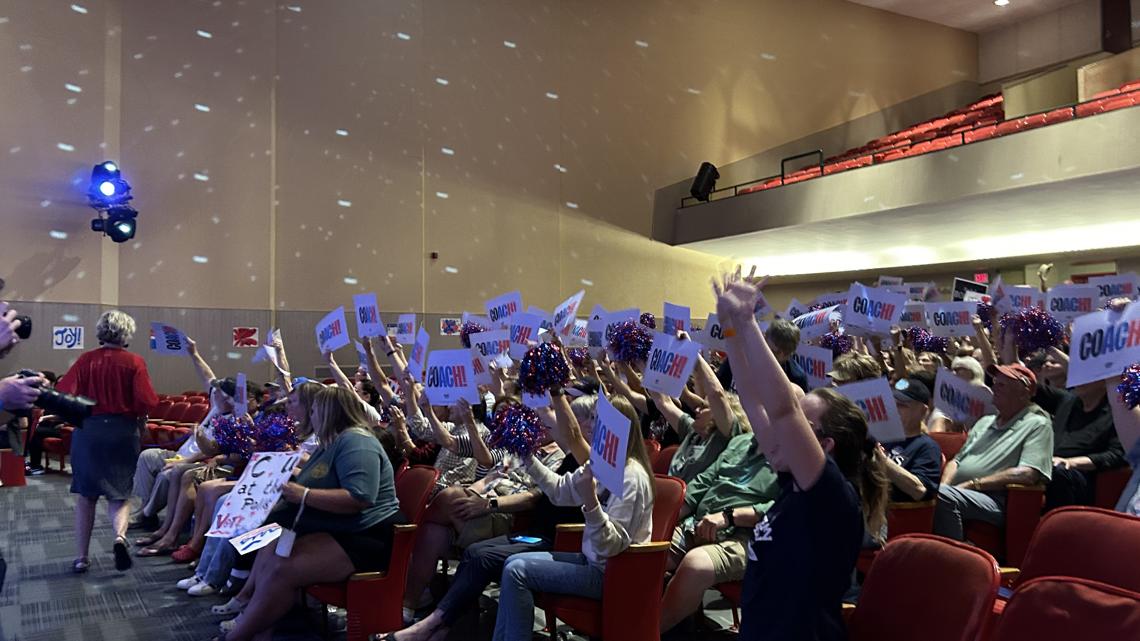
43	601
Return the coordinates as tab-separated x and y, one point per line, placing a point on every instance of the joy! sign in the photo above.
873	309
670	364
448	377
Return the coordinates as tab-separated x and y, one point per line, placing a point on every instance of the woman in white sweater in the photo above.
613	523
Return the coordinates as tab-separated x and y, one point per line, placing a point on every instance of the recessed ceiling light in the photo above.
1001	3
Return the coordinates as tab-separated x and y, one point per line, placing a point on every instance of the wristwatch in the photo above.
729	518
493	504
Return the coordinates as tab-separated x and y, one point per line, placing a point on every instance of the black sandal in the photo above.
80	565
123	560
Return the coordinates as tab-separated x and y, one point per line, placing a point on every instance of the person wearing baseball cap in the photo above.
914	464
1013	447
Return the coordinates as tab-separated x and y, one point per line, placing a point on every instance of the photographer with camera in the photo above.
106	447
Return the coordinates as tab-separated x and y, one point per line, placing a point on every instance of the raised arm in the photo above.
285	373
568	428
394	355
441	435
380	379
200	365
337	373
625	388
989	358
762	384
716	396
668	408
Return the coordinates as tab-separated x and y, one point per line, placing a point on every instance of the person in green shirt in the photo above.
722	504
1016	446
702	438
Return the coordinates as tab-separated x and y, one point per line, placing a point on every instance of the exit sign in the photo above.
981	277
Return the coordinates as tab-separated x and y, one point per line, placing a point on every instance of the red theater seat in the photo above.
1022	514
664	458
374	599
1064	608
950	442
630	608
59	446
1060	114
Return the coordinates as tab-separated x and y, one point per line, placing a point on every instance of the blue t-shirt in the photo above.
921	456
355	462
800	561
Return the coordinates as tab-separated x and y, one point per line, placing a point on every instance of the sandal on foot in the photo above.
155	551
122	556
148	540
233	606
184	554
80	565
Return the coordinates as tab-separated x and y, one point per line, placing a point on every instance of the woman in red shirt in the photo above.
106	447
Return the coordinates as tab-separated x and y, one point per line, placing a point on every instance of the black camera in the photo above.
25	329
70	407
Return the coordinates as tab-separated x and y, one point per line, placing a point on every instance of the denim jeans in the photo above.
957	505
217	558
524	574
481	565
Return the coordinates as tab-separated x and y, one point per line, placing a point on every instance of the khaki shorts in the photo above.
729	557
485	527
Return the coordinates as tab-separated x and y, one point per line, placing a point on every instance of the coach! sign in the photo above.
670	364
1103	344
607	452
875	398
448	377
873	309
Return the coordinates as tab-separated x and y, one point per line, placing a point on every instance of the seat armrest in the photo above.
367	576
647	548
913	505
570	527
1009	576
405	527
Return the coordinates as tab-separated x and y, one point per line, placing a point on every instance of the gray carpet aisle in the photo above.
43	601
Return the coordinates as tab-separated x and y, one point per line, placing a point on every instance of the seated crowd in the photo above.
784	487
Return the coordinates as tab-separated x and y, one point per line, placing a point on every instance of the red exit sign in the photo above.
981	277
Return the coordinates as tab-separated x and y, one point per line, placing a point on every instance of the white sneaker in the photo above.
202	589
227	626
189	582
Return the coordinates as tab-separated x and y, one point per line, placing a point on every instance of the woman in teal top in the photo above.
348	494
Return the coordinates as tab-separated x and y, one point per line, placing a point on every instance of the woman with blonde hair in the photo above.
342	507
105	448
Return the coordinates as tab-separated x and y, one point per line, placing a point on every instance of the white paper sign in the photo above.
536	401
890	280
256	539
255	494
831	299
712	336
596	336
523	329
875	398
480	371
670	364
815	324
762	307
1117	286
815	362
960	400
976	297
363	357
1103	344
1019	297
607	452
546	321
677	319
795	310
951	319
920	291
564	313
448	377
368	315
419	353
241	396
1066	302
492	346
67	337
406	329
332	331
873	309
501	308
168	340
579	334
914	315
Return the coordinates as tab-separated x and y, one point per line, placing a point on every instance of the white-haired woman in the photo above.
106	447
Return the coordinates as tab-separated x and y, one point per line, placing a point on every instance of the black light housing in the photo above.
119	224
705	182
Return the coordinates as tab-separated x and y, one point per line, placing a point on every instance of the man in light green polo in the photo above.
1014	447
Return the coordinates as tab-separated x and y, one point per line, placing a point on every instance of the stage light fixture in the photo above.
119	224
705	181
108	195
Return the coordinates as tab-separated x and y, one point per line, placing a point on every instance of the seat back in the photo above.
177	412
195	413
669	496
950	442
176	399
1064	608
891	609
910	518
413	489
663	459
1087	543
161	411
652	448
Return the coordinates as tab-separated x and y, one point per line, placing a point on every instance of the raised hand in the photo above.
736	298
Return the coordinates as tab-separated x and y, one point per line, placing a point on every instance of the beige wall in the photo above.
645	90
1038	42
